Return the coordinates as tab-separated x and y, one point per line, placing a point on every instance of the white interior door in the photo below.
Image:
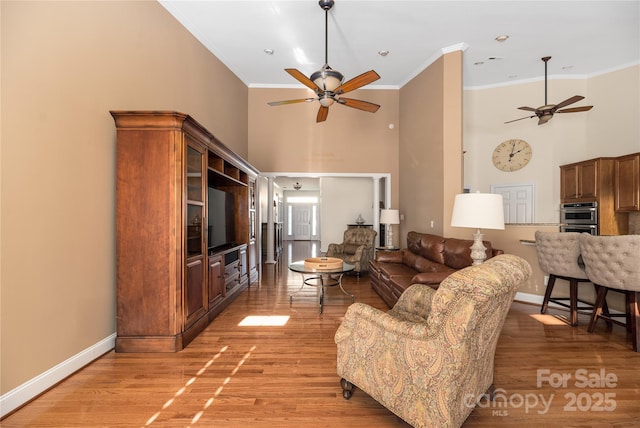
301	222
518	202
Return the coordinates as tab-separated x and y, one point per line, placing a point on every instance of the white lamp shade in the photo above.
478	210
389	217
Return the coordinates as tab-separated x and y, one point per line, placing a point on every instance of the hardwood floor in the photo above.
284	376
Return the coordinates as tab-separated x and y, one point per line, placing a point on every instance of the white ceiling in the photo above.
588	37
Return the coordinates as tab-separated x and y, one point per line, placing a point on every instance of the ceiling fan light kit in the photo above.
546	112
327	82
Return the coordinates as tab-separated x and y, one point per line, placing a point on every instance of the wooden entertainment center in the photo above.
171	281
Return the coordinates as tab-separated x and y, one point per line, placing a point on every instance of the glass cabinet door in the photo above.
195	201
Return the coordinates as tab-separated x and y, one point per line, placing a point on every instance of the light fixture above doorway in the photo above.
297	186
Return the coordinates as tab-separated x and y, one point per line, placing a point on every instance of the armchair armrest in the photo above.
496	252
361	317
415	300
334	249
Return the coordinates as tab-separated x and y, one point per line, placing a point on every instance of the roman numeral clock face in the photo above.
512	155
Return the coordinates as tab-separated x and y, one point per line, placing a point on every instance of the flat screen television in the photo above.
221	218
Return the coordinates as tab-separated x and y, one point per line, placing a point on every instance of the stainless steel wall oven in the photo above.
579	217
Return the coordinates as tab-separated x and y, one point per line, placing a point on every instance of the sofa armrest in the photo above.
496	252
431	278
390	256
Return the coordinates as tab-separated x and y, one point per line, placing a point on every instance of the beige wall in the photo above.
431	146
287	137
64	66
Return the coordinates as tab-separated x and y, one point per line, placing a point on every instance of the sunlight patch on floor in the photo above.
548	319
264	321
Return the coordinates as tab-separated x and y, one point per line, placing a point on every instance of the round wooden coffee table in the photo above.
321	277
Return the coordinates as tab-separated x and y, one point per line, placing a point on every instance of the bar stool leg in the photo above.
633	310
547	293
597	309
573	302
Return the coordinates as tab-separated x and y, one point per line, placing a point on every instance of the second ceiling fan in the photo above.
327	82
546	112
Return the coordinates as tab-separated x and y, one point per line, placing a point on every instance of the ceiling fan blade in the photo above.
357	82
573	99
575	109
527	108
323	112
526	117
359	104
297	74
301	100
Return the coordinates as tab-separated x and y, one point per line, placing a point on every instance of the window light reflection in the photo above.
264	321
548	319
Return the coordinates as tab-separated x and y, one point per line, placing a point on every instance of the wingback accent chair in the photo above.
430	358
356	248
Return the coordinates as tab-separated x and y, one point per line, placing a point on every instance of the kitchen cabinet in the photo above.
582	181
627	183
593	180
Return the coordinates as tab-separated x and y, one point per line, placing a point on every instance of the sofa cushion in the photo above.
390	270
428	246
421	264
457	252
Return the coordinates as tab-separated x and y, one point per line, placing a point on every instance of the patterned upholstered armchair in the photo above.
430	358
356	248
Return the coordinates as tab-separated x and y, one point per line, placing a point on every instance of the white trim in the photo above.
39	384
537	299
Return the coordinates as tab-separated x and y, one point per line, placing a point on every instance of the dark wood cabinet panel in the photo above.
593	180
215	280
195	291
170	283
627	180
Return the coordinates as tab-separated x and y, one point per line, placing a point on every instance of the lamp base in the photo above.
478	250
389	235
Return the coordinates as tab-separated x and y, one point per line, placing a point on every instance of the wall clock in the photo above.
512	155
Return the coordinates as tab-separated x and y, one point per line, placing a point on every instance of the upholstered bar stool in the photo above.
613	263
558	255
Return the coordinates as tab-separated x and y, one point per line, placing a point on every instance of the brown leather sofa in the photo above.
428	259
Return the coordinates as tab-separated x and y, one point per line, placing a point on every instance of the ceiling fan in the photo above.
546	112
327	82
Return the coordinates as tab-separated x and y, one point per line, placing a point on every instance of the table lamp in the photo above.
389	217
478	210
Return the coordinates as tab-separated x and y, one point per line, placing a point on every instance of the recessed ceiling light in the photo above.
567	67
383	53
492	58
268	51
478	63
502	38
512	76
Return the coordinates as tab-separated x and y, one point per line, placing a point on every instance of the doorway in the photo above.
302	221
518	202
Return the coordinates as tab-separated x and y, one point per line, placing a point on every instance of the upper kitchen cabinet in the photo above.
627	182
593	180
587	180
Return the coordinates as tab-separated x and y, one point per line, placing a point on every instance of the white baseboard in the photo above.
537	300
32	388
529	298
